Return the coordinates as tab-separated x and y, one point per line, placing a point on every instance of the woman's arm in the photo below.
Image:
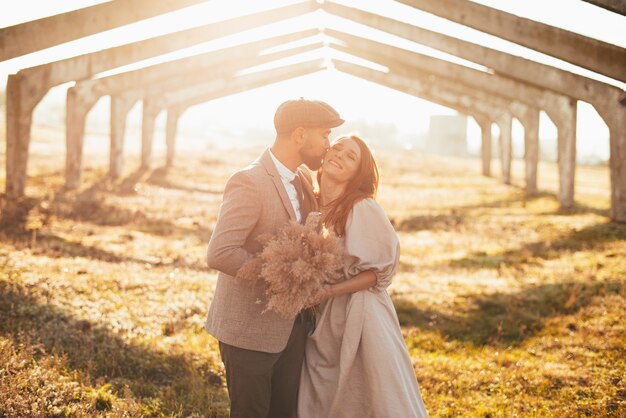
362	281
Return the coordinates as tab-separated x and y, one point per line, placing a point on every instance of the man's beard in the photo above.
314	162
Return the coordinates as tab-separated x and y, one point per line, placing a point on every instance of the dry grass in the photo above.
509	306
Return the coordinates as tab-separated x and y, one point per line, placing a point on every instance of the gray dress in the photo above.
356	362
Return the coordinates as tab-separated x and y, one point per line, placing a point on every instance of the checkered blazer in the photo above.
255	202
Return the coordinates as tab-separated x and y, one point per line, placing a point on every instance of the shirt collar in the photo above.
282	169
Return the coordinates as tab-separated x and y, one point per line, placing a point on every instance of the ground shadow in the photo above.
90	206
592	237
98	355
520	198
55	246
506	318
428	222
158	177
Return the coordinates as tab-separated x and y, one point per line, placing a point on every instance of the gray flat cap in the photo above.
305	113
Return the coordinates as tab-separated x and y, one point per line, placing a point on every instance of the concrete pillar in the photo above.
150	113
616	122
565	122
504	123
529	118
78	106
17	139
173	114
22	95
120	106
485	145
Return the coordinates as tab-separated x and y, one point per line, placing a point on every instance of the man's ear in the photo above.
298	135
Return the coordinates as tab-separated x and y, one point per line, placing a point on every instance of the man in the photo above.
263	352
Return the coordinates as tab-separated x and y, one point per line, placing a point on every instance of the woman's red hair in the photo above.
362	185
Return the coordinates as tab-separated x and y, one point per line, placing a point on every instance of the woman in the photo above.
356	362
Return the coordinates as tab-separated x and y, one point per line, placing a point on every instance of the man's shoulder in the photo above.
254	172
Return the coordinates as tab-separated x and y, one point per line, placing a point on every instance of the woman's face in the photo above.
342	160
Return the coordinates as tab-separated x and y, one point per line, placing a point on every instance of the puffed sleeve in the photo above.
371	243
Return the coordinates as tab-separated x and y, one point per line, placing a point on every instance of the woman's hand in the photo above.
323	294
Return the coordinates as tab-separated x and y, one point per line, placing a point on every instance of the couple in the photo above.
350	361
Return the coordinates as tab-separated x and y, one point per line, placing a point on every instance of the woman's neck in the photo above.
330	192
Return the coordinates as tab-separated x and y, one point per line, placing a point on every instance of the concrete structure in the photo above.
26	88
50	31
617	6
155	81
510	86
600	57
609	101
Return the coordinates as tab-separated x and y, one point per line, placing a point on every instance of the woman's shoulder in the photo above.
368	208
367	205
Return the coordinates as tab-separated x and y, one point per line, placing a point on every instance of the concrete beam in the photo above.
43	33
459	98
608	100
600	57
159	75
26	88
599	94
561	109
153	81
616	6
178	103
605	98
469	98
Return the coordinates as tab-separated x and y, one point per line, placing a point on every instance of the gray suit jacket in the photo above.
255	202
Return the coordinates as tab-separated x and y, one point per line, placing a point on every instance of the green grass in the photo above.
509	305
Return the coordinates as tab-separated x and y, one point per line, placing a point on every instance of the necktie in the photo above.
297	183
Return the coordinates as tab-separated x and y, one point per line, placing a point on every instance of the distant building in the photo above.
447	135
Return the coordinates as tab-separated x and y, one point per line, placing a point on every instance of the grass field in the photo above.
509	306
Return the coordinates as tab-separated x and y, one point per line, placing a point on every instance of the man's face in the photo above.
315	146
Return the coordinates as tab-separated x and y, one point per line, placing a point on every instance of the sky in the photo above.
355	99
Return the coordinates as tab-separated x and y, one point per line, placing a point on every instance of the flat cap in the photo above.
305	113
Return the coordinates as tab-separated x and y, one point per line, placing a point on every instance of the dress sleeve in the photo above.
371	243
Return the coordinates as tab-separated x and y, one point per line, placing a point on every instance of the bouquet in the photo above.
296	263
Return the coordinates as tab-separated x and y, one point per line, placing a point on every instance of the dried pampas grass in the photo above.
295	264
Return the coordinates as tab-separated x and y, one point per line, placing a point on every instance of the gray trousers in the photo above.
265	385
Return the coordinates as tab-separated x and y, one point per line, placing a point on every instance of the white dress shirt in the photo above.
287	176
